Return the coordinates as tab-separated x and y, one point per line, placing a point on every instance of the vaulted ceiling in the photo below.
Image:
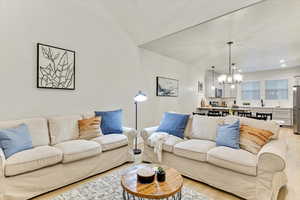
264	34
147	20
196	31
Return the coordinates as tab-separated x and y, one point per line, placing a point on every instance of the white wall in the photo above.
261	76
108	64
105	58
158	65
196	74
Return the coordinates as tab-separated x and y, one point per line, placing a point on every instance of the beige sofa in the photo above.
59	157
253	177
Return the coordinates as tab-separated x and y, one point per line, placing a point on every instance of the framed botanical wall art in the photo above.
55	67
166	87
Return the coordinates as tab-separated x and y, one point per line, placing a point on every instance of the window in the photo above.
250	90
277	89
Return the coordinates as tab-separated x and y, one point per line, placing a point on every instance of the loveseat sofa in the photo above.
59	157
250	176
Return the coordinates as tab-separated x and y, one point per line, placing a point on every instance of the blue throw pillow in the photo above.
111	121
174	124
14	140
229	135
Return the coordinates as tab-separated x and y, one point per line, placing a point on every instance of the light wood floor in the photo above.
290	192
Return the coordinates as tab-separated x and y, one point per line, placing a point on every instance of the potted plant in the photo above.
160	174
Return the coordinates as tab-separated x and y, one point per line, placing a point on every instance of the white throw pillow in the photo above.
205	128
63	128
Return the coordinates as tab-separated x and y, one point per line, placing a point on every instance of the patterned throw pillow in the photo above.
89	128
253	139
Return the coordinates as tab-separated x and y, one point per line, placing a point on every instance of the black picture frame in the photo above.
47	73
167	87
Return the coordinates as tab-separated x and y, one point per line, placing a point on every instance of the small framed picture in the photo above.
166	87
55	67
200	87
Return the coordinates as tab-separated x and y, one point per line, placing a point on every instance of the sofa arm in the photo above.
272	157
2	163
131	133
146	132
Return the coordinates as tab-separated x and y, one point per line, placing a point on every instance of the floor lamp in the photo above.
140	97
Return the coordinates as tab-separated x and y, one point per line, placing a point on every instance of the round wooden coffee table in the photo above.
171	187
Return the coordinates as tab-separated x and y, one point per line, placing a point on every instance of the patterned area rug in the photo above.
109	188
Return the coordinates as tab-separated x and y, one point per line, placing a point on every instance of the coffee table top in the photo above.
154	190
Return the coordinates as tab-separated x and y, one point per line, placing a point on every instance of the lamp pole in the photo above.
136	150
140	97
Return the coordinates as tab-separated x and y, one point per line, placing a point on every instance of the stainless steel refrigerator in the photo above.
296	109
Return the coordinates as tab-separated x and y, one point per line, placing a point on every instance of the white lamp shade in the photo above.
140	97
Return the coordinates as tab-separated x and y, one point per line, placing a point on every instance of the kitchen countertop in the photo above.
265	107
243	108
282	115
222	108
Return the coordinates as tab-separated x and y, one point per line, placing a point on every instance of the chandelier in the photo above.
232	77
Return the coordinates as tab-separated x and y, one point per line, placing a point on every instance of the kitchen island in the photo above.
279	113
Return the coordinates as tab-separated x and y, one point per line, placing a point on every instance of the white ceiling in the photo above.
263	34
146	20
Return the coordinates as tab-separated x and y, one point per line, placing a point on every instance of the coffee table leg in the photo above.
177	196
124	195
127	196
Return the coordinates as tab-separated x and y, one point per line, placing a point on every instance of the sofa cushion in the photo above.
253	139
89	128
38	129
63	128
111	121
194	149
188	127
205	128
173	124
168	144
229	135
237	160
14	140
78	149
111	141
32	159
261	124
